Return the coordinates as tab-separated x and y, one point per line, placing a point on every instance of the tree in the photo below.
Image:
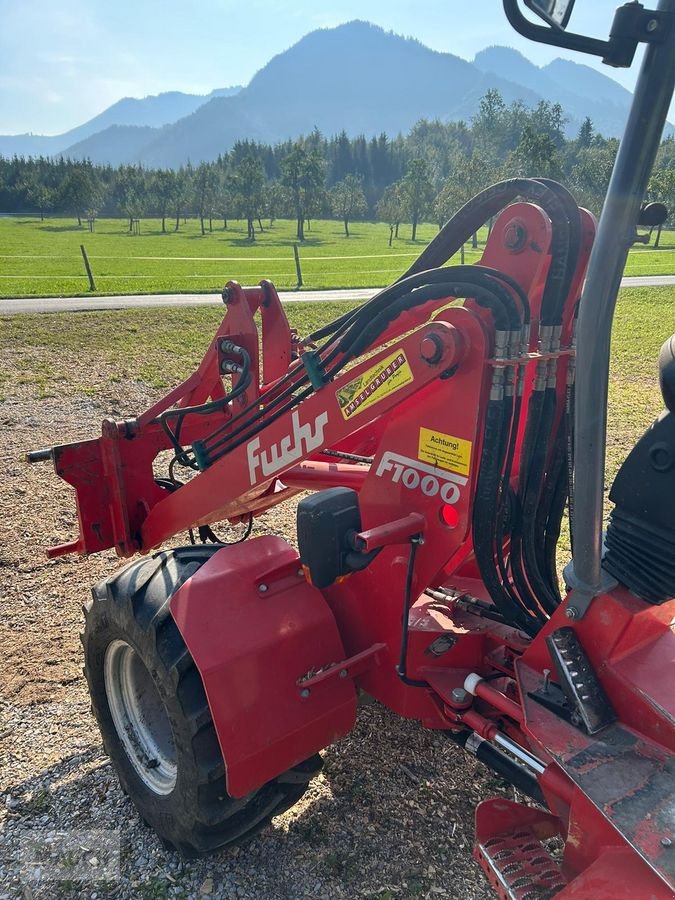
468	176
182	193
205	192
662	189
590	172
417	192
390	208
248	181
38	195
275	200
536	155
348	200
585	136
302	172
79	192
164	186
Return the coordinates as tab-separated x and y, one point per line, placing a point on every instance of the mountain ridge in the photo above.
355	77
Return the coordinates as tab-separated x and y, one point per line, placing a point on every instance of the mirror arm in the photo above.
633	24
545	35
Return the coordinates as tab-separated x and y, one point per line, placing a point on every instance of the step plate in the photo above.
579	682
519	866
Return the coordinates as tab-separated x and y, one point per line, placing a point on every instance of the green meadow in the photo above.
44	258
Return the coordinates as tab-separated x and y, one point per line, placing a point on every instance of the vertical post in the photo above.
461	254
616	232
92	286
298	270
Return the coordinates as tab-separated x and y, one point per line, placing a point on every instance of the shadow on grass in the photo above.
57	229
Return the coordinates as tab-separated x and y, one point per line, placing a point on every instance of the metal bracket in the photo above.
314	368
580	594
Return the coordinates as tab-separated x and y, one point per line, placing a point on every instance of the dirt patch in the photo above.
391	816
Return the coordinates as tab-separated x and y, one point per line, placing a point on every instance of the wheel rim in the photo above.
140	717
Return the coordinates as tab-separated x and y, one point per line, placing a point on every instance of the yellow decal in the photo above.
374	384
445	451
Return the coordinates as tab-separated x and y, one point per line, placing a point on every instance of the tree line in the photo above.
425	175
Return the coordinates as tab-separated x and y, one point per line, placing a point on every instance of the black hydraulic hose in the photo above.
209	456
530	503
466	275
402	667
487	204
574	219
523	589
553	526
485	278
500	763
484	514
364	337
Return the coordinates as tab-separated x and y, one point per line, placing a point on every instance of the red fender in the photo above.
257	631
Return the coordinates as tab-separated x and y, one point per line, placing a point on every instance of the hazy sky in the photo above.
63	61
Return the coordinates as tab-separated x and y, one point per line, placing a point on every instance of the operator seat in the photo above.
640	538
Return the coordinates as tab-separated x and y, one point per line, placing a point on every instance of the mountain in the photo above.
357	78
580	90
154	111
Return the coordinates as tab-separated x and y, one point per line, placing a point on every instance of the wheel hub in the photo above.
140	717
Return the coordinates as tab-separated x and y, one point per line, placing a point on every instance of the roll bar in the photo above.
616	234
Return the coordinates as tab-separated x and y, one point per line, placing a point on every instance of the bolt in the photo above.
571	612
666	842
515	236
343	673
304	693
301	572
547	675
431	349
652	25
262	588
459	695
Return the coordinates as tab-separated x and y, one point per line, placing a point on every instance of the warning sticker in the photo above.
445	451
373	385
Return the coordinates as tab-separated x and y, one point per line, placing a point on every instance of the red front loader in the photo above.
438	428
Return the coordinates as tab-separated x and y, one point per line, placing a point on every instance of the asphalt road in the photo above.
79	304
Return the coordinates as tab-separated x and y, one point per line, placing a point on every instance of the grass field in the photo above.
44	259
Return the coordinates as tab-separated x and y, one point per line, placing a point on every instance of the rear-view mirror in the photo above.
555	12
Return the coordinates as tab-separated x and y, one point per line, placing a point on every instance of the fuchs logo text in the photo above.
302	440
416	475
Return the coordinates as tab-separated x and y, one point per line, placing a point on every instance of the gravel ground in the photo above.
391	815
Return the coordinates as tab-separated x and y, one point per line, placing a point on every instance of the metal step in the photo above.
511	852
589	702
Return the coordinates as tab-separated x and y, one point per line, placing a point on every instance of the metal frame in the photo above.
616	232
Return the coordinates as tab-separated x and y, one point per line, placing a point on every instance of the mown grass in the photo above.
44	259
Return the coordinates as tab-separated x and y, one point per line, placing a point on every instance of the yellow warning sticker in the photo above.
445	451
373	385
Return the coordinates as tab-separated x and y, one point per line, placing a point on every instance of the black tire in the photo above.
193	812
